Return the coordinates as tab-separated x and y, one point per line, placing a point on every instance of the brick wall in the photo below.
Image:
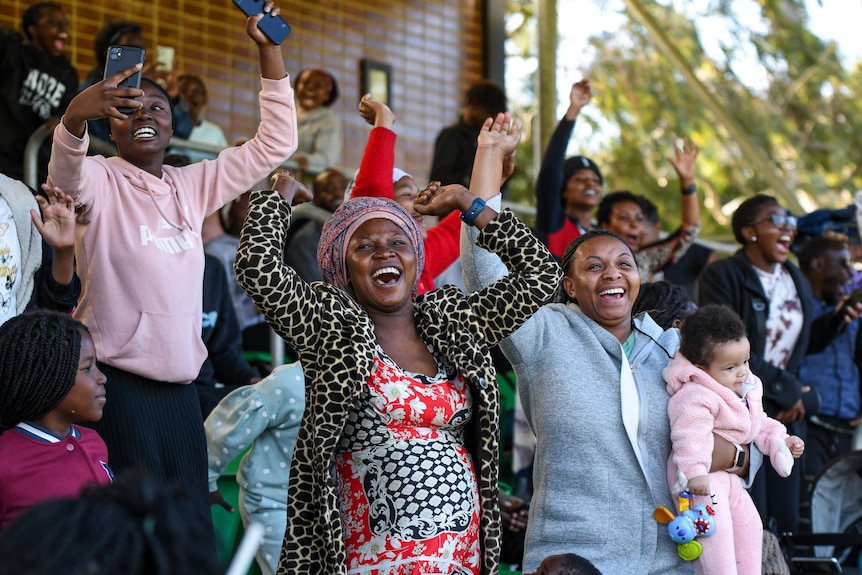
434	48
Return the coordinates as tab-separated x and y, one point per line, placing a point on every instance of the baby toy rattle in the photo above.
689	524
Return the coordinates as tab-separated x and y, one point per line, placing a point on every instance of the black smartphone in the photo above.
273	27
122	57
817	565
854	299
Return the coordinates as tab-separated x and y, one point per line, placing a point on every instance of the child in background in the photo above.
39	81
713	390
265	415
39	272
48	381
319	127
194	93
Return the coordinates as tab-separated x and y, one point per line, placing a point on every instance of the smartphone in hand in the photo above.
854	299
165	58
122	57
273	27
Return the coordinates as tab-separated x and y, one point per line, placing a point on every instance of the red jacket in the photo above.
374	179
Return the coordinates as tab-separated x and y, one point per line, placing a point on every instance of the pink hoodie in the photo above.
138	247
699	406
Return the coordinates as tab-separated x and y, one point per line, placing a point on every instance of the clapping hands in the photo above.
439	200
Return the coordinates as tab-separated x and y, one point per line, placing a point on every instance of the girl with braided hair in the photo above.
49	380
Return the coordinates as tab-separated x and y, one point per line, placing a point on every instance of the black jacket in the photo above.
733	282
225	368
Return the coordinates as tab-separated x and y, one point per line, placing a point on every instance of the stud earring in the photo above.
753	238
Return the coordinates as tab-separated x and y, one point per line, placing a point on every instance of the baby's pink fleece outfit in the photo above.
699	406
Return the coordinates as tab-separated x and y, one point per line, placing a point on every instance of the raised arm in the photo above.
288	303
665	251
498	140
375	170
683	162
101	100
550	212
56	225
271	59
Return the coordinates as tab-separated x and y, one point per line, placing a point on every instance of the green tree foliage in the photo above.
805	116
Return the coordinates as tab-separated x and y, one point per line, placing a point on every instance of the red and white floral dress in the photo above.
408	492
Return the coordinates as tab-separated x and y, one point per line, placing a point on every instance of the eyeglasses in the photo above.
587	180
780	221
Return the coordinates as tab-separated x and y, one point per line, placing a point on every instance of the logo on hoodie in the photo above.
173	245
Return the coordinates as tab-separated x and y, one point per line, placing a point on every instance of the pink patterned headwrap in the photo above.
344	222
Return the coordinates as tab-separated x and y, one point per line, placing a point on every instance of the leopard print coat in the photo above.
335	341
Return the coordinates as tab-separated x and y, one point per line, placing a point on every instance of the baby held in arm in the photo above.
713	391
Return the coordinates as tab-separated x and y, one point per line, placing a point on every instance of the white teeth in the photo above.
388	270
591	192
612	291
145	132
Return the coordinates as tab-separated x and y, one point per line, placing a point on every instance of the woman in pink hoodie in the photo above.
140	257
713	391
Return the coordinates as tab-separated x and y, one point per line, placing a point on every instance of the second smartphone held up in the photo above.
273	27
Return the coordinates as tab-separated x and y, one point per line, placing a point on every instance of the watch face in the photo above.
740	458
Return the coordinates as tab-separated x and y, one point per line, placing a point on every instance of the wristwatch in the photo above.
738	459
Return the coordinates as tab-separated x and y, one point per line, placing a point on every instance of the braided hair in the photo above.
575	245
39	353
135	526
664	302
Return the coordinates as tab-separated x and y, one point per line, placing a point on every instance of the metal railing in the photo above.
31	152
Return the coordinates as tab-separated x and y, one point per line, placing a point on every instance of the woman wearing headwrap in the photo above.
395	465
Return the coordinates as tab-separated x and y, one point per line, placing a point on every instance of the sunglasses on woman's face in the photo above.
780	221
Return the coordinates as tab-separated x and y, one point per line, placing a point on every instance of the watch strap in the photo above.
738	459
